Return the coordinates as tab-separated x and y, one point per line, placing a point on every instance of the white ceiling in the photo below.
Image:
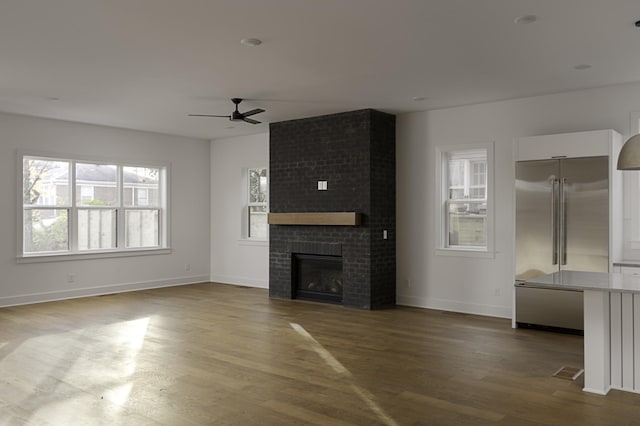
146	64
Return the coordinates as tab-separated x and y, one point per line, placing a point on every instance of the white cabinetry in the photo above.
570	145
584	144
630	270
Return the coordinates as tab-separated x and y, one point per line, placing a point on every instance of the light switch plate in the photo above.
322	185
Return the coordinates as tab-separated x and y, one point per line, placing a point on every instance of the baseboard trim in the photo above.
598	391
241	281
455	306
50	296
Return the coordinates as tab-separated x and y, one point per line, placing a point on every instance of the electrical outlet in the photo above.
71	278
407	283
497	292
187	267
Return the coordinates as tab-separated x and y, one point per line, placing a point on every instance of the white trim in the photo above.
239	281
440	243
59	257
455	306
163	207
51	296
244	221
252	242
631	199
461	252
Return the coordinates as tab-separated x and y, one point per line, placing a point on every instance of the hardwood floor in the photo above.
227	355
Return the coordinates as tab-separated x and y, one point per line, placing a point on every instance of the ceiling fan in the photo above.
236	115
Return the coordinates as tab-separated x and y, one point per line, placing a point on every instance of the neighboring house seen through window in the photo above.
74	206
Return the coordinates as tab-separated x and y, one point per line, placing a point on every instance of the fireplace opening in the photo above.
317	277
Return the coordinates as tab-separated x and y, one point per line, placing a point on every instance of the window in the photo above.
73	206
257	204
464	175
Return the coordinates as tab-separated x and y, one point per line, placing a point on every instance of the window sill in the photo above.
465	253
255	243
93	255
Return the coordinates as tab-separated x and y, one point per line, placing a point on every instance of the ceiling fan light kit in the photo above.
236	115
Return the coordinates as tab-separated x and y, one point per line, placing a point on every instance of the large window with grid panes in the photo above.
73	206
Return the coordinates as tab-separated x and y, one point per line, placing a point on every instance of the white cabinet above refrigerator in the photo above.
570	145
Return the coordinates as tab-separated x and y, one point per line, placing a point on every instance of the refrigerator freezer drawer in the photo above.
549	307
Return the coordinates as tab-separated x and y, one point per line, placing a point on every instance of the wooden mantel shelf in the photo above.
316	218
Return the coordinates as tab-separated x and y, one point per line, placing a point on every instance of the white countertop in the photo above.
580	280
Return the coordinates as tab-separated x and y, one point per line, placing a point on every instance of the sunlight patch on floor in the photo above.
337	366
320	350
73	373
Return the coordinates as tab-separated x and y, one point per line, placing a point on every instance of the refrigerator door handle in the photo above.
554	221
563	223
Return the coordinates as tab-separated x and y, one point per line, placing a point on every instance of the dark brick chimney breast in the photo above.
355	153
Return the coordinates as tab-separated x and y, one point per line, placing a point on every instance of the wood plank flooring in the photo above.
227	355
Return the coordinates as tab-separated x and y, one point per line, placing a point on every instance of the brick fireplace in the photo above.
354	153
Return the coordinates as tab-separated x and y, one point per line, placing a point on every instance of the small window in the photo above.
257	204
464	204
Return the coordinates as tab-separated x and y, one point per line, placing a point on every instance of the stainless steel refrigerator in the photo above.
562	223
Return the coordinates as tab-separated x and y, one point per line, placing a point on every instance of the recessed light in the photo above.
419	98
582	67
52	99
526	19
253	42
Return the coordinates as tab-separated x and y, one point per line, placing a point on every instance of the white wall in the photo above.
473	285
234	260
190	220
477	285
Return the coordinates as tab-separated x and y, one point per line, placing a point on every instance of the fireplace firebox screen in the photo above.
317	277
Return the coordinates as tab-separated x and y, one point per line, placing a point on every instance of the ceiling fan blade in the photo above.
253	112
250	120
209	115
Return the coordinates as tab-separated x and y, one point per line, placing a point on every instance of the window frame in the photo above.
443	201
73	253
246	222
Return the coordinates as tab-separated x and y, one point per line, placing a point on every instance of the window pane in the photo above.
45	182
141	186
456	173
467	224
477	193
141	228
258	185
478	173
96	229
258	225
45	230
456	193
96	184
